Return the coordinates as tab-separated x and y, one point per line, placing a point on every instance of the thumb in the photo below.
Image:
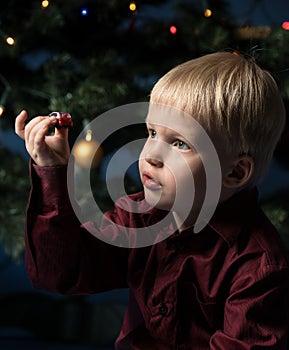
20	124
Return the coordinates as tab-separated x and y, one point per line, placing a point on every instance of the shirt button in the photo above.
163	309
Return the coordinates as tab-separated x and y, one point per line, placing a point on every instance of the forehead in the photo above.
174	119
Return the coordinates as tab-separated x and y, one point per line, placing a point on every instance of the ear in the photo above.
240	173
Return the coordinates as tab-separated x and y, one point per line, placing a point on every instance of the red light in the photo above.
285	25
173	29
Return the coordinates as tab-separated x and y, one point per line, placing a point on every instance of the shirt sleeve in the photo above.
61	255
256	311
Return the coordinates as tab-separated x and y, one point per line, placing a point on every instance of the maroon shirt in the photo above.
224	288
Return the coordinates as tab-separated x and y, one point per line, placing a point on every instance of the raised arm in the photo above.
61	255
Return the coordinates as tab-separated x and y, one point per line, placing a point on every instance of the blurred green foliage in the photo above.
277	210
14	189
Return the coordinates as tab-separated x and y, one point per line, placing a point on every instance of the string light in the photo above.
2	110
10	41
132	6
208	13
4	96
45	4
84	11
285	25
88	136
173	30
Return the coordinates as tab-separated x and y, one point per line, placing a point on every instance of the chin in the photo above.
156	200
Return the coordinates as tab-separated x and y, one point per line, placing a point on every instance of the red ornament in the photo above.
64	119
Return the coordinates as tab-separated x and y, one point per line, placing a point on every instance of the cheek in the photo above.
189	176
169	178
140	164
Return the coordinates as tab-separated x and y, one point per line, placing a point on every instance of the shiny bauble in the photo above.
87	153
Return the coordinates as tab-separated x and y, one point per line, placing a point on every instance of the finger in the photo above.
32	127
36	143
39	138
37	125
20	124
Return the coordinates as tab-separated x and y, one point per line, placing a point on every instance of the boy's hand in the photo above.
44	150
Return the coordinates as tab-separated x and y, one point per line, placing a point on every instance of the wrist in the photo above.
50	182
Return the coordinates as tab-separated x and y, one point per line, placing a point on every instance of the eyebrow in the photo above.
173	132
151	125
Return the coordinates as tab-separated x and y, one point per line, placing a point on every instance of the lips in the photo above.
149	182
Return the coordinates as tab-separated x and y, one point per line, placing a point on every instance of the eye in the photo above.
181	145
152	133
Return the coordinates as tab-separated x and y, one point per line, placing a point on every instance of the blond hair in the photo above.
231	95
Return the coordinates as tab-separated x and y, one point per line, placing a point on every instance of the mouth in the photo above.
149	182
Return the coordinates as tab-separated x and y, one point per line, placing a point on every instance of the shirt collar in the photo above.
234	214
229	219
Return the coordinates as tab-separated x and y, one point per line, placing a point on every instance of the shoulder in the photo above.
259	254
248	232
264	237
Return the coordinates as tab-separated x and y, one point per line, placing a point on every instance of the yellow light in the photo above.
207	13
88	136
87	153
45	3
2	110
10	40
132	6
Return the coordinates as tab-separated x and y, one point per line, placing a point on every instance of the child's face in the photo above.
164	164
171	170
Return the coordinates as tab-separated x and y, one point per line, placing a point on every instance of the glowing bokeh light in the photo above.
173	30
285	25
45	3
84	11
2	110
208	13
132	6
9	40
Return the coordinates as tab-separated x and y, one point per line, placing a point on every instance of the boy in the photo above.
223	288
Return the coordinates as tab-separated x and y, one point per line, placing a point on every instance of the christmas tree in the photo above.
86	57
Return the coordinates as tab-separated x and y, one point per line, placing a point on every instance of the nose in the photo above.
155	152
154	161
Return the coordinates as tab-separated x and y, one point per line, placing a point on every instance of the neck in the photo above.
183	224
